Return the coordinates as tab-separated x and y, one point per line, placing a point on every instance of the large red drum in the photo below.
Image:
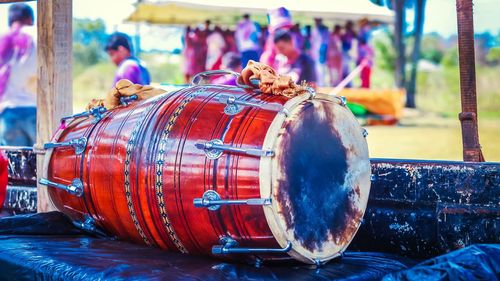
217	170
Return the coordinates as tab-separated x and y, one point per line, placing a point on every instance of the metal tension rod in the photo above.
230	246
235	106
214	149
212	200
97	112
78	144
75	188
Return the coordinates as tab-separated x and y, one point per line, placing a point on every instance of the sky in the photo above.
440	14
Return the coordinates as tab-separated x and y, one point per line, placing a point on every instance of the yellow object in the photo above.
379	101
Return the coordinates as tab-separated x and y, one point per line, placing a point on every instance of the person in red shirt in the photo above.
365	56
292	61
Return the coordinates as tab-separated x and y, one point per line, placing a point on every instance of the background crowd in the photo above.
100	57
316	54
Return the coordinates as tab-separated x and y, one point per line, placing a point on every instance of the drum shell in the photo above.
141	171
112	179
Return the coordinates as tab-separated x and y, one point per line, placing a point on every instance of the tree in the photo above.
89	39
417	34
400	7
493	56
399	42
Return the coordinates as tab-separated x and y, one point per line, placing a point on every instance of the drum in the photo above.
216	170
3	178
17	180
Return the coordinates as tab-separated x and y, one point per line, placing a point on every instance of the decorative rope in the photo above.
269	81
125	88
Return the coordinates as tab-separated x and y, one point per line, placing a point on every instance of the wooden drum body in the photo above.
217	170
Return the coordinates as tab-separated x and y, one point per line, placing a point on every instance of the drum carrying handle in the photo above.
230	246
97	112
75	188
199	77
78	144
212	201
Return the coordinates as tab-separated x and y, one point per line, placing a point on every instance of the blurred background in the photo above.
430	130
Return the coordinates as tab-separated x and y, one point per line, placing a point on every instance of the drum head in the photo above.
319	178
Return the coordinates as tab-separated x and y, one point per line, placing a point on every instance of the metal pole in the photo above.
468	117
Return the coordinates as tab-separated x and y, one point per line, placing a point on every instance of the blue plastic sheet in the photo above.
47	247
476	262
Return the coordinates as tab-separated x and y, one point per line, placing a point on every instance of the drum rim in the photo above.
46	162
48	152
266	174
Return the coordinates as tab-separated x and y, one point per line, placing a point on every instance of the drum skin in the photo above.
141	172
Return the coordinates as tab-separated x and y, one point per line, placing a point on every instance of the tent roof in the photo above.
229	12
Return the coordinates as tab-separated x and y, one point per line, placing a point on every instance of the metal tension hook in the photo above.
126	100
97	112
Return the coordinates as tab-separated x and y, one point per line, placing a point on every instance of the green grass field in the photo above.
429	136
431	132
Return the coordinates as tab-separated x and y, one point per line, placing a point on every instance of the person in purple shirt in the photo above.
119	50
17	79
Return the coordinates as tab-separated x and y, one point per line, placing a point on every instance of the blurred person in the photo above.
230	61
231	46
17	73
247	38
206	28
307	40
365	30
365	56
216	46
188	54
334	56
200	49
199	37
279	19
297	36
264	34
292	61
119	49
347	39
319	47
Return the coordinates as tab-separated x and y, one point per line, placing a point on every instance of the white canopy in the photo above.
229	11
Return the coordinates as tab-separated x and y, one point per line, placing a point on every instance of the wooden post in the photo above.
466	55
54	92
